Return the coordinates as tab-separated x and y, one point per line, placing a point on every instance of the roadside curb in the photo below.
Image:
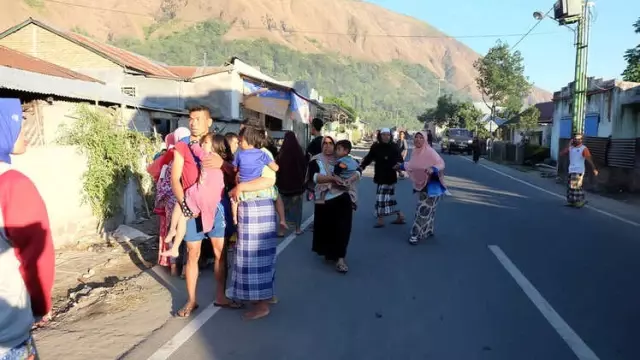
626	213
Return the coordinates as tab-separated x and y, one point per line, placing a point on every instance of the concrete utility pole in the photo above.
575	12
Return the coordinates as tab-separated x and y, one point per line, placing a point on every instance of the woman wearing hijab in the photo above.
425	171
27	261
290	178
333	218
387	158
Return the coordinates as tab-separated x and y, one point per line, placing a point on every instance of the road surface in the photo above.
511	274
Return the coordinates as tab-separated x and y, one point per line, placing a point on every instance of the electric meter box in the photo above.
565	10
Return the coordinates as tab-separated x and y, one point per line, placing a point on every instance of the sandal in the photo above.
399	221
187	310
230	305
342	268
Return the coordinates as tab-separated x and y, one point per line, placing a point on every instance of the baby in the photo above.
345	169
201	198
249	163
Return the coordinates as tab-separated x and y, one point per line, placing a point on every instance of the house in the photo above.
611	130
49	95
130	73
541	135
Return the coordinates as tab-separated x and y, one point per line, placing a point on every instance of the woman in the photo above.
27	258
333	218
424	164
290	178
254	268
387	158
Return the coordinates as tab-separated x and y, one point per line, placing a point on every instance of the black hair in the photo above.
195	108
254	136
251	121
230	135
220	146
317	124
345	144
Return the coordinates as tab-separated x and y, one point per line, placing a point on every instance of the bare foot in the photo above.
257	313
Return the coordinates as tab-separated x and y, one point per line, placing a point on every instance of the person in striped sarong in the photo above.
578	155
387	158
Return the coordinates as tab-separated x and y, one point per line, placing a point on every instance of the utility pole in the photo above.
580	84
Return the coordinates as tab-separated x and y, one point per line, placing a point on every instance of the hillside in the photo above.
382	50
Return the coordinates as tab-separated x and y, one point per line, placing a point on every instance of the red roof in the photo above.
123	57
17	60
188	72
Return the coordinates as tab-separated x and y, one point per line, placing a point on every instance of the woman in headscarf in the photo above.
333	218
165	200
387	158
27	259
424	167
290	178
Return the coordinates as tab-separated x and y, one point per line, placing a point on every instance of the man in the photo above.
578	154
403	146
315	146
199	123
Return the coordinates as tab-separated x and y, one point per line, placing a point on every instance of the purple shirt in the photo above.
250	163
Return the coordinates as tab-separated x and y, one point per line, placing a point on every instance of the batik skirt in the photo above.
254	268
424	222
386	200
575	191
25	351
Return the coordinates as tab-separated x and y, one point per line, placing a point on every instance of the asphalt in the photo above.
449	297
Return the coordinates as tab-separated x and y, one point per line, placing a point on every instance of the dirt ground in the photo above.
105	299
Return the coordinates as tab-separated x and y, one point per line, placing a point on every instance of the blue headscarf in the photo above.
10	126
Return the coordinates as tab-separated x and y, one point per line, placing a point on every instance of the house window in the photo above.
128	90
272	123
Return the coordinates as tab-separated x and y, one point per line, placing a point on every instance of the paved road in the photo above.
511	274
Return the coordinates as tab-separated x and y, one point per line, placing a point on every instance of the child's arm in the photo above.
273	166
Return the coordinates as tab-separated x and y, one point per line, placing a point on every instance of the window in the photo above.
128	90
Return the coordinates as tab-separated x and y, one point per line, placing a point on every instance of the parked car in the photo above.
457	140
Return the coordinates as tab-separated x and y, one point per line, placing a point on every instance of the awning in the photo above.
260	98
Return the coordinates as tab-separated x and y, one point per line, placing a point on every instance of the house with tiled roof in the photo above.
131	73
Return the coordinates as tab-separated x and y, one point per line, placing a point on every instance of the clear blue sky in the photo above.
549	56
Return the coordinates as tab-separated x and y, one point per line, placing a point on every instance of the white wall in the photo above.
222	93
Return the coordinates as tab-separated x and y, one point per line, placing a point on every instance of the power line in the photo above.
524	36
293	31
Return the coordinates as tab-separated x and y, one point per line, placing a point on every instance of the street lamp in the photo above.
575	12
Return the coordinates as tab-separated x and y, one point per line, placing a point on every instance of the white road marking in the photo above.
166	350
606	213
579	347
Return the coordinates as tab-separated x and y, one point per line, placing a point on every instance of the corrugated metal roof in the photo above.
17	60
190	72
20	80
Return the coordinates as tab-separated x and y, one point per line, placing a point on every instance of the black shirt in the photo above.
314	148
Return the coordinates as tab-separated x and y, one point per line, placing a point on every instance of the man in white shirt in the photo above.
578	155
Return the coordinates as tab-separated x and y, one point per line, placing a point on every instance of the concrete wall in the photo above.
57	173
221	92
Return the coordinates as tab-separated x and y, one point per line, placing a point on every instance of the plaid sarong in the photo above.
575	191
254	268
386	200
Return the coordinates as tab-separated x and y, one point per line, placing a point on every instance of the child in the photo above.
201	198
345	169
250	161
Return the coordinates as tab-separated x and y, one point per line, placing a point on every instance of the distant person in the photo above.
403	146
578	154
232	141
429	138
290	178
315	146
27	258
476	148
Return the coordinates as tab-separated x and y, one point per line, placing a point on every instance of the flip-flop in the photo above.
230	305
342	268
398	222
186	310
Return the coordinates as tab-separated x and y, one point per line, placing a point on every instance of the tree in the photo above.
501	79
469	117
443	114
529	120
632	56
351	112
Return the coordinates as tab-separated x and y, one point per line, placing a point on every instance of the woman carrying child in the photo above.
254	268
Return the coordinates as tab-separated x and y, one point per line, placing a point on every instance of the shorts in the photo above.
194	227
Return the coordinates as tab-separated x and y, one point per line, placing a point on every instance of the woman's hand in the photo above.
234	193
